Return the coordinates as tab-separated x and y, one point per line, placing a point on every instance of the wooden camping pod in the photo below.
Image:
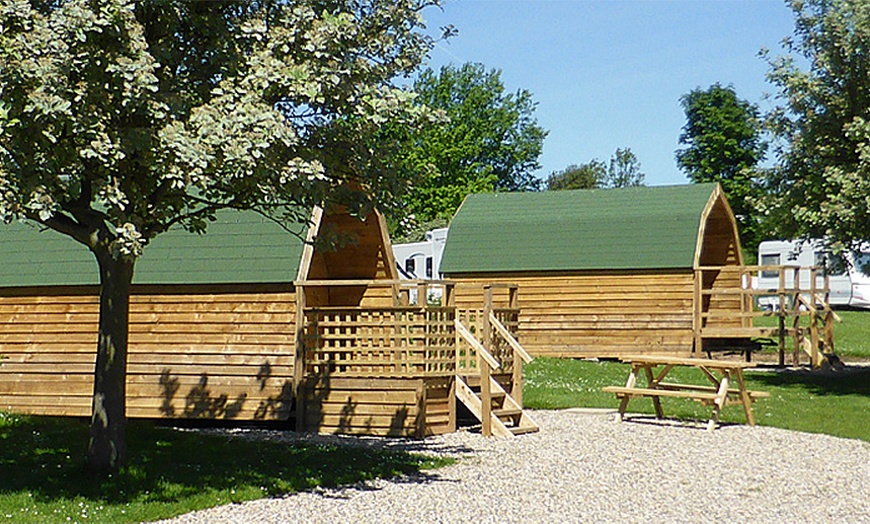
219	326
601	273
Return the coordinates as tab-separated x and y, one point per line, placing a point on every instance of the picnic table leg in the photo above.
744	398
722	396
630	383
653	384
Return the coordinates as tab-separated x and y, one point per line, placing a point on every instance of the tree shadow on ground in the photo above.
45	457
848	380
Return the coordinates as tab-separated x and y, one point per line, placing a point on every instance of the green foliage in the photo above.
584	176
142	115
121	119
623	171
173	472
723	143
490	141
820	185
834	403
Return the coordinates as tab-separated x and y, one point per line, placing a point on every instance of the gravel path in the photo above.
584	466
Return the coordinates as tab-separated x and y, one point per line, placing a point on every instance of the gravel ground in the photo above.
584	466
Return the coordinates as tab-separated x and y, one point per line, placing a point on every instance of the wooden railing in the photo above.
799	302
486	343
474	319
401	341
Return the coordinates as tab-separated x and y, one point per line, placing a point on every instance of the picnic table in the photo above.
726	377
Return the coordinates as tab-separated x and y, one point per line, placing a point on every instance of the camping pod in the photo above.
602	272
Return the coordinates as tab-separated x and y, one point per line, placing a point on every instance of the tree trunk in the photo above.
107	450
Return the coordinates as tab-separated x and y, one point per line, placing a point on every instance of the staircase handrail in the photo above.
509	338
826	308
809	305
474	343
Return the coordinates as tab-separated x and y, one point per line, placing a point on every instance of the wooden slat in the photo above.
209	346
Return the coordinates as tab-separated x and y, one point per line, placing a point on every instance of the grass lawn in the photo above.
834	403
43	479
851	336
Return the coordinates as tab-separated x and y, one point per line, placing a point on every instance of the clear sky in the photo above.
610	73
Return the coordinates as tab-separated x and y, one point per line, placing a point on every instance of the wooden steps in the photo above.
507	417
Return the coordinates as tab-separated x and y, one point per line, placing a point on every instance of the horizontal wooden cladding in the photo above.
166	396
194	351
597	313
378	406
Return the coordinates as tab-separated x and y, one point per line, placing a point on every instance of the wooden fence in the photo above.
800	303
398	342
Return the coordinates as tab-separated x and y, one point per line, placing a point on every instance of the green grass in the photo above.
834	403
851	336
43	479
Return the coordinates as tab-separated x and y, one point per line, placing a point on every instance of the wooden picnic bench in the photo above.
727	384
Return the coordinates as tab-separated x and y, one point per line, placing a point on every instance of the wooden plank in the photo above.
753	394
622	391
696	362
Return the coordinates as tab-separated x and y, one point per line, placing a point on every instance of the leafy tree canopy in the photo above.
624	170
490	141
584	176
821	183
120	119
723	143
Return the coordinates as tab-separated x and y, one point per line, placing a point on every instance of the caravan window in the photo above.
428	267
770	260
410	266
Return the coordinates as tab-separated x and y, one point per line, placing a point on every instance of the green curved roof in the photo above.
632	228
239	247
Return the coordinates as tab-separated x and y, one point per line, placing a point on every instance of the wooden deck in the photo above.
398	370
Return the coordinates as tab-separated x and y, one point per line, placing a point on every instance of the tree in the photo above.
489	141
120	119
584	176
820	185
623	171
724	144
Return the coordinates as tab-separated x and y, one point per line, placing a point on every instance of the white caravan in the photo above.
850	287
421	260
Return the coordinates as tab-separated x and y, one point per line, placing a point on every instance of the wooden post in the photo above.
517	379
781	312
449	300
513	301
420	421
451	405
829	316
814	318
798	335
696	312
422	290
485	371
299	359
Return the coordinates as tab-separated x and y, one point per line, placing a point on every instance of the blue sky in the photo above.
610	73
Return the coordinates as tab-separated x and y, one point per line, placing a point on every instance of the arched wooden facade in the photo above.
601	273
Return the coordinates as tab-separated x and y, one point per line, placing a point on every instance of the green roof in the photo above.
632	228
240	247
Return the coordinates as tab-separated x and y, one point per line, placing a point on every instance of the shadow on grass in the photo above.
850	380
45	457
